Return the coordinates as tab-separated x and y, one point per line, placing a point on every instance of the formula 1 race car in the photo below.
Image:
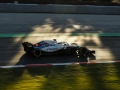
52	47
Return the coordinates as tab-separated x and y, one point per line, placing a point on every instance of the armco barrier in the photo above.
2	7
64	9
50	8
105	10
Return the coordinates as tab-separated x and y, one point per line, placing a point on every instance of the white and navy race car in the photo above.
52	47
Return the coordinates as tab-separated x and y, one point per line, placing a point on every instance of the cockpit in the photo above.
63	43
48	42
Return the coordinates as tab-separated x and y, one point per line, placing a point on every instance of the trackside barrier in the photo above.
51	8
57	64
105	10
64	9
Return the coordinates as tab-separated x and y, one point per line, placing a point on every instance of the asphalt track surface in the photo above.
11	51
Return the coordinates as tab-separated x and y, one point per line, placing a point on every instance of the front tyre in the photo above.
36	52
83	51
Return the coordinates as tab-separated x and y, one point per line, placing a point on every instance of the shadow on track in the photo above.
46	70
27	59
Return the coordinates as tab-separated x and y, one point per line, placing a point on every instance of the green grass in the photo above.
72	77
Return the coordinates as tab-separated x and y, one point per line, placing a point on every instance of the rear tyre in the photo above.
36	52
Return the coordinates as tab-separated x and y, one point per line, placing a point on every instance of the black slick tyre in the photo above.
83	51
36	52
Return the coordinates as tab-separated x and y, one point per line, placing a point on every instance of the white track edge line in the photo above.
57	64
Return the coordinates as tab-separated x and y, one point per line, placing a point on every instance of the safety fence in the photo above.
52	8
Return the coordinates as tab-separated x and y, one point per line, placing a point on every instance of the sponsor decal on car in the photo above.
52	49
41	45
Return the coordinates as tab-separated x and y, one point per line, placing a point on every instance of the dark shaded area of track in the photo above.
27	59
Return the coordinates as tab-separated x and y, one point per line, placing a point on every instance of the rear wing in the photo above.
28	47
